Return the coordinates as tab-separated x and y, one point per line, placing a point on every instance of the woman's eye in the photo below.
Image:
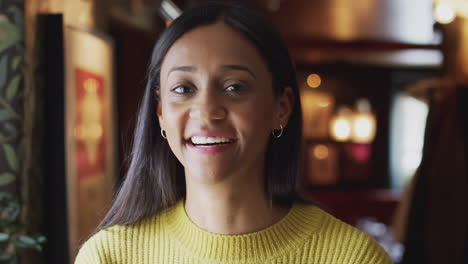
181	89
234	88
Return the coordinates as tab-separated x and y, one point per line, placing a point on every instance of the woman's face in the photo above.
217	104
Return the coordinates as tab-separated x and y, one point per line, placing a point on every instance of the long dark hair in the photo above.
155	179
437	230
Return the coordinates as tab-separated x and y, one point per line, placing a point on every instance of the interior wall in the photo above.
31	187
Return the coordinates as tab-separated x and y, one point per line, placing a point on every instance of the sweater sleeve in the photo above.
352	245
376	254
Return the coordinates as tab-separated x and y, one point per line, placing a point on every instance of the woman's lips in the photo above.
209	149
209	142
209	134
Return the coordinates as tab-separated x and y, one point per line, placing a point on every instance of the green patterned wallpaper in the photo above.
11	123
11	93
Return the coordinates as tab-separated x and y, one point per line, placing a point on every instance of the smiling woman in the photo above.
215	167
218	109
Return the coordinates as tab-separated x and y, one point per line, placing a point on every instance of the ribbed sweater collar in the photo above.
287	234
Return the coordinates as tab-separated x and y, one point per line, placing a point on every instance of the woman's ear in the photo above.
159	110
285	106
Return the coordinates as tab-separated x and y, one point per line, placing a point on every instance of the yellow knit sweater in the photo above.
306	234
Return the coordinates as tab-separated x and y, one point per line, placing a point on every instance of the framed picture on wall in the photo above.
89	130
317	108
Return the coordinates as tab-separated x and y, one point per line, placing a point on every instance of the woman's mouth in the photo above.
208	145
209	141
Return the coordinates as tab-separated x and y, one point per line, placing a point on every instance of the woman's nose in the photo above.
208	108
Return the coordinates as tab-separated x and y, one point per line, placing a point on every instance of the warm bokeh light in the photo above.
444	13
341	129
364	123
363	128
341	125
321	152
314	80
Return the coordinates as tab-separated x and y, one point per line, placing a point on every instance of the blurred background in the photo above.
72	73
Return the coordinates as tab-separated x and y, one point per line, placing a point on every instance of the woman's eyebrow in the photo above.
182	68
235	67
227	67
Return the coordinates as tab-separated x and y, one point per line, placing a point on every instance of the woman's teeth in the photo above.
209	140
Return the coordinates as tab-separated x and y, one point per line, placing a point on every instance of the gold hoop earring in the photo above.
280	133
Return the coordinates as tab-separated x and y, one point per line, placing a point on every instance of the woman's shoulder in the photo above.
110	244
327	225
346	240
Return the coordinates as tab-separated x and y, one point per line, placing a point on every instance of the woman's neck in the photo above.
231	210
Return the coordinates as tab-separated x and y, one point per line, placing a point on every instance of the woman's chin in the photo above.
208	176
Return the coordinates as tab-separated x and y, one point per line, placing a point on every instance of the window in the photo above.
408	122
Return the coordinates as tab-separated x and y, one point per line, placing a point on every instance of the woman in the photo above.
214	173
